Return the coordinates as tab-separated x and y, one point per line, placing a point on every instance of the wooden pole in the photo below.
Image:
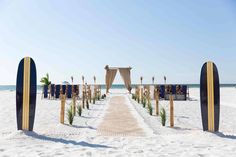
141	94
137	96
90	94
171	111
74	102
148	94
83	98
157	102
63	101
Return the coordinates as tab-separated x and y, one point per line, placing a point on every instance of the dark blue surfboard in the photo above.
26	90
210	97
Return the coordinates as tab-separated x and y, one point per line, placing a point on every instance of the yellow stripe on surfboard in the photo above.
26	92
210	94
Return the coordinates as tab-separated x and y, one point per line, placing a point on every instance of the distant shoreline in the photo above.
115	86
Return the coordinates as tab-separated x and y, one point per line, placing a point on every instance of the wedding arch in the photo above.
111	74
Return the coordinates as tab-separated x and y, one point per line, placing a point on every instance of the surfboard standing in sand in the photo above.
210	97
26	89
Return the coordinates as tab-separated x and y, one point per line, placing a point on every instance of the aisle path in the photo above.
118	120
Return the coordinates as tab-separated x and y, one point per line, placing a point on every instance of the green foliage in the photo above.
45	80
79	110
94	99
87	104
70	115
144	102
104	96
90	99
163	116
150	109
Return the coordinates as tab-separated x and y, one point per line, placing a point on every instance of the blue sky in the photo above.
156	38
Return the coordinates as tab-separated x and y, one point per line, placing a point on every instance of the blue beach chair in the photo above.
173	89
162	91
52	90
57	91
63	89
45	91
69	91
184	90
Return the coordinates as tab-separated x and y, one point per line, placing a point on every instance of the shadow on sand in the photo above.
81	127
64	141
221	134
179	128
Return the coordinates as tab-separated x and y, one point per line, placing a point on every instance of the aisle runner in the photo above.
118	120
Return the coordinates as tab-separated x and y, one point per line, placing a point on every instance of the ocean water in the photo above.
115	86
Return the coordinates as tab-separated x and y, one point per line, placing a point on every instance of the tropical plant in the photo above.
90	99
94	99
134	96
103	96
70	115
144	102
150	109
45	80
79	110
163	116
87	104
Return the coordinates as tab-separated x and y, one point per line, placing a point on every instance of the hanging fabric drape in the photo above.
125	74
110	76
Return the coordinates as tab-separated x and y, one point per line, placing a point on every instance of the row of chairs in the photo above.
179	92
54	91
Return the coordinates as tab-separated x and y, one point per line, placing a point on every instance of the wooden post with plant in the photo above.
83	98
171	111
62	114
141	94
83	92
150	109
73	103
157	101
95	92
148	94
90	94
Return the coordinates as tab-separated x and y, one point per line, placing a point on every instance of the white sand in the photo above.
50	138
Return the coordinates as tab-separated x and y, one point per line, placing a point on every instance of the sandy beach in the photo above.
114	60
88	135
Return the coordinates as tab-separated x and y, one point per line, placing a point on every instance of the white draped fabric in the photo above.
125	74
110	76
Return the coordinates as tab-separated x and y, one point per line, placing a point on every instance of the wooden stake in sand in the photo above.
83	96
141	94
63	101
90	94
148	95
171	111
157	102
73	102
